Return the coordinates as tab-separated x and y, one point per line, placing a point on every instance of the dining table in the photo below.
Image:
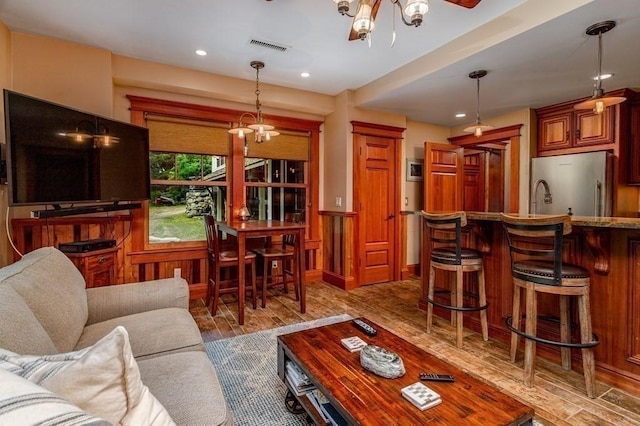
243	230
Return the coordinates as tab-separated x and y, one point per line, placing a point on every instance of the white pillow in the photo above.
103	379
25	403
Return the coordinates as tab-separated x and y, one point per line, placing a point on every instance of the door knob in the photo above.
391	216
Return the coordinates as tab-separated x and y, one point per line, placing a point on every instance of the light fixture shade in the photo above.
363	22
416	7
261	127
478	129
240	131
598	105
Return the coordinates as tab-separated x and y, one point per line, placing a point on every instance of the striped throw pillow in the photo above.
25	403
103	380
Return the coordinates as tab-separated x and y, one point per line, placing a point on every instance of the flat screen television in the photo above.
57	155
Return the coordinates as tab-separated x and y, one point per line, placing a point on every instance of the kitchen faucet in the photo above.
547	194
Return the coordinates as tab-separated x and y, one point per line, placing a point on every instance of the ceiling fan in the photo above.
367	10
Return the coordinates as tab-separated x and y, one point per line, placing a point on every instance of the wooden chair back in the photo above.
451	224
548	233
211	229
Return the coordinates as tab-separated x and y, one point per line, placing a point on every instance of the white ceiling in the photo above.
536	51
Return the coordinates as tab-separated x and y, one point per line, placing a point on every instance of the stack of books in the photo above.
421	396
327	411
298	381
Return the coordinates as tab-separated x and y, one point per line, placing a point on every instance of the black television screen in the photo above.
57	155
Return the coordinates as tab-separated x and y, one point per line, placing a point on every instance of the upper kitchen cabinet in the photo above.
634	157
564	130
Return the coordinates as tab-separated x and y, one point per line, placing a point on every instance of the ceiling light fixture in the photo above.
201	52
305	75
263	131
598	101
461	115
478	127
364	18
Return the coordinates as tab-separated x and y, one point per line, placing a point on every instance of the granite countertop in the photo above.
586	221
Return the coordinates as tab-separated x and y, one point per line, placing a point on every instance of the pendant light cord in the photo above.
477	100
599	77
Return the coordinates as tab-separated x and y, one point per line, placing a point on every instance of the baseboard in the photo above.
339	281
409	271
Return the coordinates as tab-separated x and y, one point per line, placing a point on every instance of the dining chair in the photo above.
224	259
286	255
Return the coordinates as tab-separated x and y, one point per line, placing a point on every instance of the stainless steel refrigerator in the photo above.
580	182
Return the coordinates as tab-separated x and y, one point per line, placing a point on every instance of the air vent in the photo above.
268	45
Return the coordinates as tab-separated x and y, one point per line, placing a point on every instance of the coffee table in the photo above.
362	397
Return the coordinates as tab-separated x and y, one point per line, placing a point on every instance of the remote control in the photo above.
365	327
437	377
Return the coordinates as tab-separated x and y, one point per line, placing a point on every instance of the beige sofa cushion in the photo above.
151	333
186	384
20	330
54	290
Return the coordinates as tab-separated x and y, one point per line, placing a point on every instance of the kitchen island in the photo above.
609	247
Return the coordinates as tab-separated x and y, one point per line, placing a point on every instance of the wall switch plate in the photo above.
406	201
177	272
338	201
274	264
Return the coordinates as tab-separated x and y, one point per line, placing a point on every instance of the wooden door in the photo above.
474	178
443	177
376	201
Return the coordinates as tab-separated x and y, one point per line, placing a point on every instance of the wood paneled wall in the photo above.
338	239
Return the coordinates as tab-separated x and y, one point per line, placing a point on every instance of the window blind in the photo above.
168	134
286	146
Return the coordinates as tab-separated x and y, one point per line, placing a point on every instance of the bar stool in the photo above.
537	267
448	254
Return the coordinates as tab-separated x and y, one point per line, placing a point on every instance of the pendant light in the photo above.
598	101
477	128
262	131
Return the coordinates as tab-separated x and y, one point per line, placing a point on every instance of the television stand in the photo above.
71	211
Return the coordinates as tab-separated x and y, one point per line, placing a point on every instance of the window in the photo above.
184	187
275	177
285	192
188	177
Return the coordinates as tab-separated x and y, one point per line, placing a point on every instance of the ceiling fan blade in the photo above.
469	4
375	5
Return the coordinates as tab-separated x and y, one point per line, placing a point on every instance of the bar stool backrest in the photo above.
548	232
451	222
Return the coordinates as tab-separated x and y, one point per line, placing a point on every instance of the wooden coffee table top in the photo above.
365	398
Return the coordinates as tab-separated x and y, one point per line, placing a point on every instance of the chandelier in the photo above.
598	101
263	132
477	128
364	18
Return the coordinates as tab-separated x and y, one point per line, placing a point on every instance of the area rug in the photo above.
248	372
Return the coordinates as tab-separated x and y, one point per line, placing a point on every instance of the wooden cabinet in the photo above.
634	149
97	267
566	129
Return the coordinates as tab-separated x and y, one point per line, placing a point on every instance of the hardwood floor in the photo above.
558	396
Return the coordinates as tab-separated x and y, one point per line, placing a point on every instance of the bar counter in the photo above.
609	247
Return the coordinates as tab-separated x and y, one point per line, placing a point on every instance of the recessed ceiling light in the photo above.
461	115
305	75
603	77
201	52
